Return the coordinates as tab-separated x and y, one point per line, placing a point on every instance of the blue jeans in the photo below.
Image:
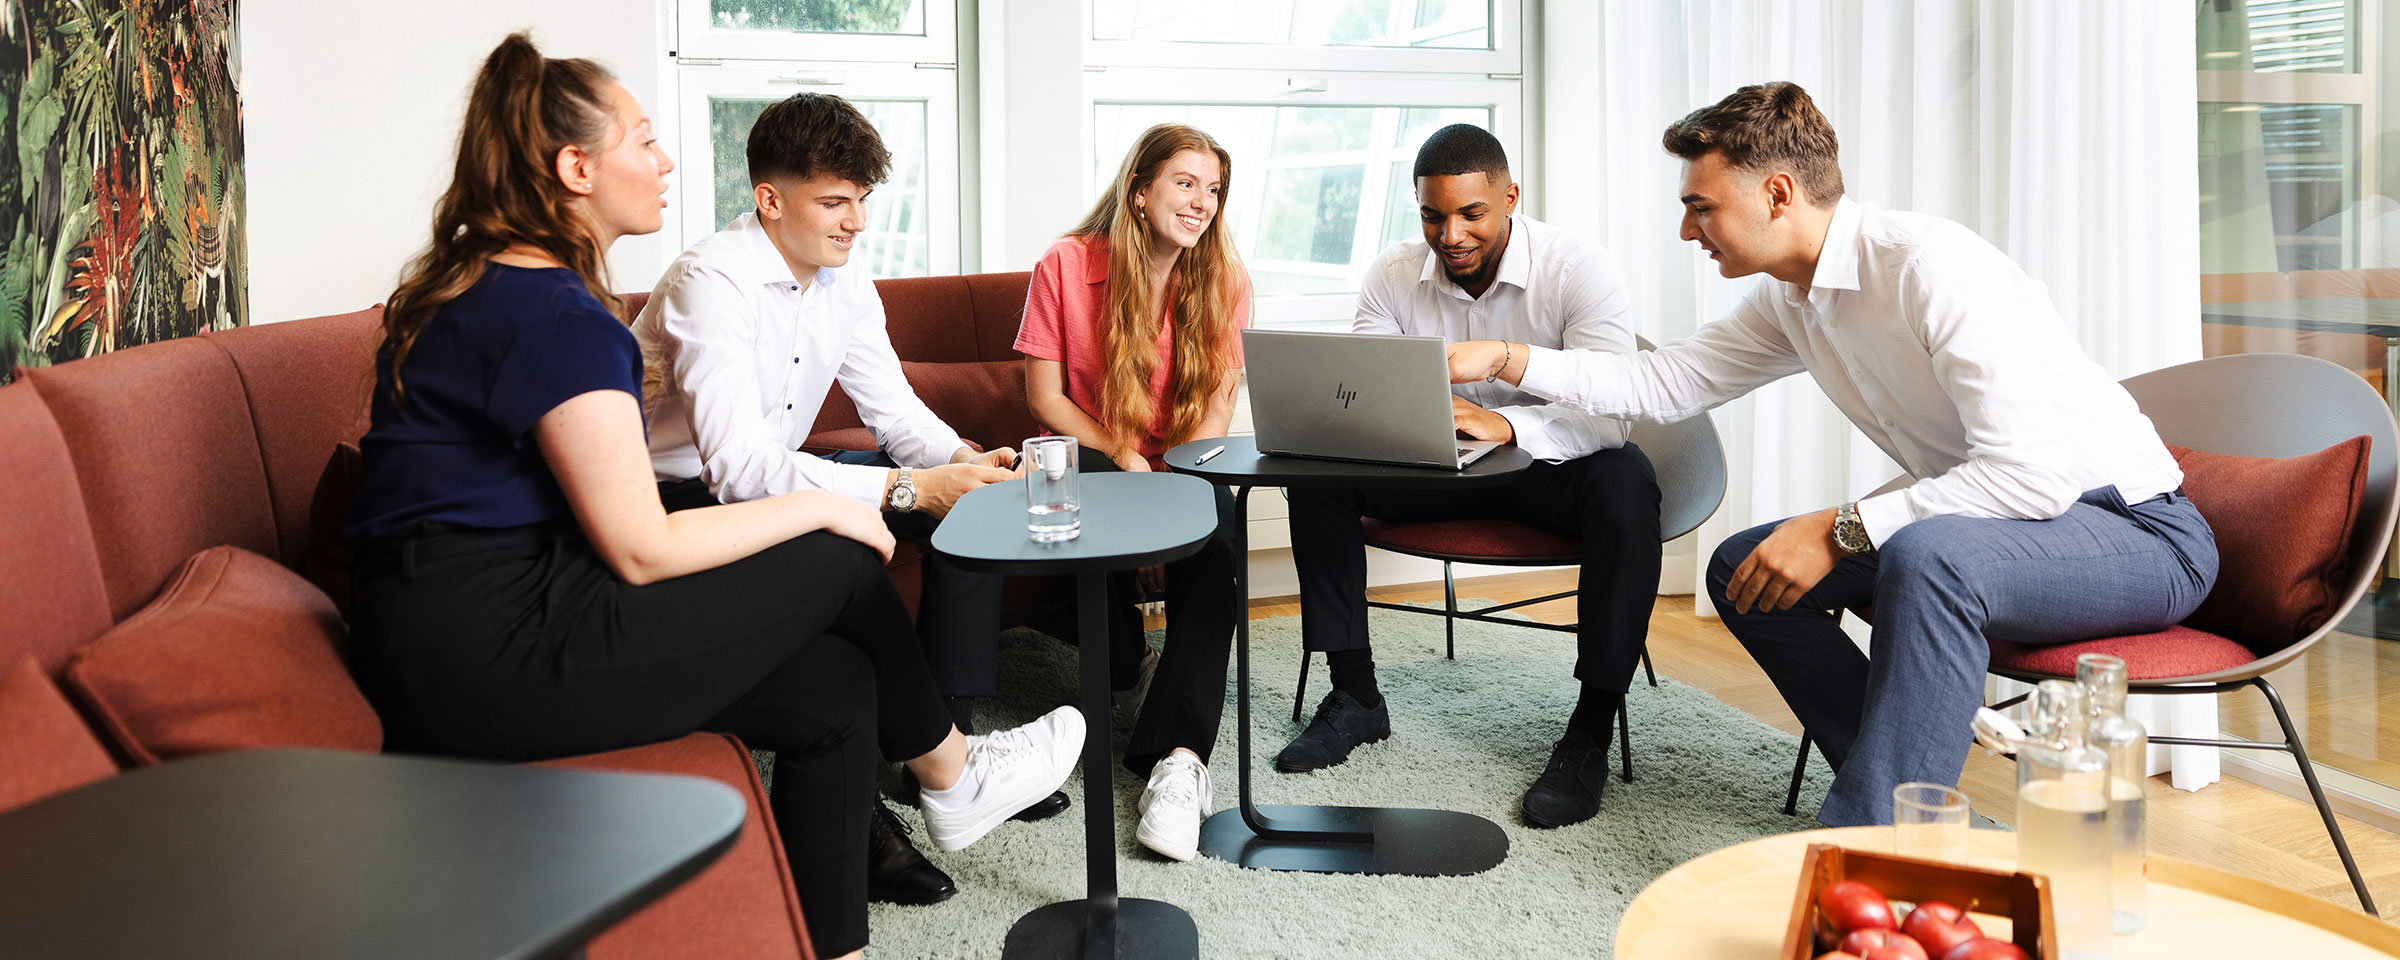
1939	587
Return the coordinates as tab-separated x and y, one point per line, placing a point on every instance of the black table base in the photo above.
1312	839
1408	842
986	531
1141	928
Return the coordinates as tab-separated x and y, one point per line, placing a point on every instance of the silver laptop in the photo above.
1350	396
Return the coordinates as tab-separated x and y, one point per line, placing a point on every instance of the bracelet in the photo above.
1508	355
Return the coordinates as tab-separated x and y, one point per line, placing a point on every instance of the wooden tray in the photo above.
2024	898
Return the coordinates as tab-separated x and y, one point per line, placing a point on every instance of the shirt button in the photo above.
795	359
789	406
1887	421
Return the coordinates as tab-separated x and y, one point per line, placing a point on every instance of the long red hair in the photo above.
1201	289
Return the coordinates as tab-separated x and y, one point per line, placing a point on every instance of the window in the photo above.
869	30
2300	233
894	59
1318	191
1323	117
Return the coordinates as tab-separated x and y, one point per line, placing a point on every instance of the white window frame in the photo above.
937	87
1504	98
696	38
1505	56
2312	88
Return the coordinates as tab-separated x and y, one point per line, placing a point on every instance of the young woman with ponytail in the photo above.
1132	345
520	593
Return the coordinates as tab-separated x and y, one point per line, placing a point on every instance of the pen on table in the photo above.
1212	451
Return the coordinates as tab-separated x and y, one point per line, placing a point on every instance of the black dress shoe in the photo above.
1568	791
896	872
1342	723
1042	809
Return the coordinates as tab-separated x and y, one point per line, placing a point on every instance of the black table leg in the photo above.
1100	926
1372	840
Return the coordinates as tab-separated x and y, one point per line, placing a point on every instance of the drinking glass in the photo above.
1053	507
1929	822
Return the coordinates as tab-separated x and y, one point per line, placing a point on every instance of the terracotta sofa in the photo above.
122	467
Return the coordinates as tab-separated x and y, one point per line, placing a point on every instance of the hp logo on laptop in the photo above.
1345	396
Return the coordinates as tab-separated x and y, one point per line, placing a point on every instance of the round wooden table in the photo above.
1733	903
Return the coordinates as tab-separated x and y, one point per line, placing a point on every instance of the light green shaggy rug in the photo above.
1468	735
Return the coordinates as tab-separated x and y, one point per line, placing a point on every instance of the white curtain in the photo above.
2065	132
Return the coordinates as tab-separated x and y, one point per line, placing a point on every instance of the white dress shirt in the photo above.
1552	289
748	355
1936	345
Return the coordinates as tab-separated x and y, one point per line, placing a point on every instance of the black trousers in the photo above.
1608	501
958	610
1187	695
520	644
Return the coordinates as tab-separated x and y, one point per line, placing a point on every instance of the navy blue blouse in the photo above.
488	365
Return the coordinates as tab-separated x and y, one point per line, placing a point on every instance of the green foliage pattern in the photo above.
122	196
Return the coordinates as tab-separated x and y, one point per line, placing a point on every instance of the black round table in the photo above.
1130	520
1316	839
318	853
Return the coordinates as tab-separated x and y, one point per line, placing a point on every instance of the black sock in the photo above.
962	713
1596	712
1354	670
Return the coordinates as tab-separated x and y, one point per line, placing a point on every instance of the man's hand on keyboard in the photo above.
1479	423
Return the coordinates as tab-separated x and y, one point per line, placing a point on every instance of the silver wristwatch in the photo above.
1849	532
904	492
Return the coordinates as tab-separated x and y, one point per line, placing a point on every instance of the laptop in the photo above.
1369	398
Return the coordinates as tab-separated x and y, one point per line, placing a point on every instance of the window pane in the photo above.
898	242
1450	24
1315	192
2278	187
2279	36
820	16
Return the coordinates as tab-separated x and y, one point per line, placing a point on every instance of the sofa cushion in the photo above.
984	402
2177	651
166	457
2283	529
1499	540
237	653
744	902
53	597
45	748
308	382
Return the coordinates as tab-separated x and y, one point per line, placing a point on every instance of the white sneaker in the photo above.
1129	702
1173	805
1006	772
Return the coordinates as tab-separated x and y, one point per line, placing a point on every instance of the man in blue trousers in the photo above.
2045	508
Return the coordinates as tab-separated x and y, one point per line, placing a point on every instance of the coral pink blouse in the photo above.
1063	312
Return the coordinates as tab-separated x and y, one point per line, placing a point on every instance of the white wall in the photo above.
351	113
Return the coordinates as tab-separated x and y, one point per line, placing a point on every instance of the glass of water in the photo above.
1929	822
1053	507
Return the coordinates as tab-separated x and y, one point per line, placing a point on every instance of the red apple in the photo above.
1939	927
1855	906
1985	948
1883	944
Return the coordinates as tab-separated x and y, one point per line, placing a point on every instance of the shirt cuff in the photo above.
1533	433
1884	515
1545	372
859	482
